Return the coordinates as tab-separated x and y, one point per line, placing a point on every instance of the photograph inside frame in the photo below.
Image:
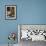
32	32
29	35
10	12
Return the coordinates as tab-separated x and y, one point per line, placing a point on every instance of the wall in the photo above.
28	12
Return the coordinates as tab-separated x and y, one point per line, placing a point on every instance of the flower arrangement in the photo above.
11	37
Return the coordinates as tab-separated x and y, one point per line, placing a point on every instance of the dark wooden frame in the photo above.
5	12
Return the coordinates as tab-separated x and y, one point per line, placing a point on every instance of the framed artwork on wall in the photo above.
33	32
10	12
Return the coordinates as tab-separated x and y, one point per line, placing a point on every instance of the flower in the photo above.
12	36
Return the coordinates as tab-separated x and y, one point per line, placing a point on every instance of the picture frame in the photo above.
10	12
37	29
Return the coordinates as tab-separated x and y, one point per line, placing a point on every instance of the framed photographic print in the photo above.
10	12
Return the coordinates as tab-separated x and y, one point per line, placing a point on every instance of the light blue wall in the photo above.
28	12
